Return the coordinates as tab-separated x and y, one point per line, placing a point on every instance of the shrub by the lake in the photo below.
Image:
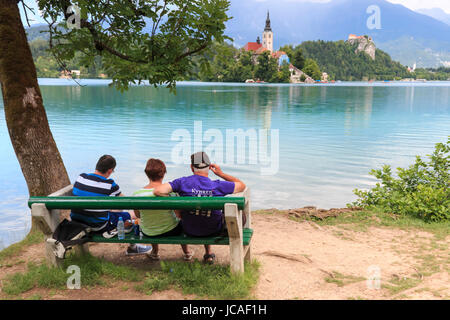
422	190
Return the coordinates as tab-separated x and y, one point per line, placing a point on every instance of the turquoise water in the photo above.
330	136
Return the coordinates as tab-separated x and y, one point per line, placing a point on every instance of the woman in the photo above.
158	223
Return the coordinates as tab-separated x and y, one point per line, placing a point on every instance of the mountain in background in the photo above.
37	31
409	37
436	13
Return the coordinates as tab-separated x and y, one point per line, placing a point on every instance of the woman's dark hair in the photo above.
155	169
105	163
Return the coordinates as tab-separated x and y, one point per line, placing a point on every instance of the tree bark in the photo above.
28	127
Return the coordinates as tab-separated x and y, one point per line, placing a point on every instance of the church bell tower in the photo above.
267	36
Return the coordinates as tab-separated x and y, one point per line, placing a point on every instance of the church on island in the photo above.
259	47
267	44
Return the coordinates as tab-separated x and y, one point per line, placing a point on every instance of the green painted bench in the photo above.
46	211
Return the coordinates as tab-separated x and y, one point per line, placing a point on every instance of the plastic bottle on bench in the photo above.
136	228
120	229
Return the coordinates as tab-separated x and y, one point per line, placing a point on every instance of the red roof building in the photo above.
252	46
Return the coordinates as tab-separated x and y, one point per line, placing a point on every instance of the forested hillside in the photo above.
341	62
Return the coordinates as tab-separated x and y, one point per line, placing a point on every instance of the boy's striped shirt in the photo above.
93	185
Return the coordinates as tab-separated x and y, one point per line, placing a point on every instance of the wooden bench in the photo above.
46	211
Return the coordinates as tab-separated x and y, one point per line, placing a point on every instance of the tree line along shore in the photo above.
227	63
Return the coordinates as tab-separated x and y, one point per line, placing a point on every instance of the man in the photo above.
98	184
202	223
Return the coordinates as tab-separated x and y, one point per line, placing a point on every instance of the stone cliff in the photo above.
365	44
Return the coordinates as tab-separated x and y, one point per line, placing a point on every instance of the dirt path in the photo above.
301	260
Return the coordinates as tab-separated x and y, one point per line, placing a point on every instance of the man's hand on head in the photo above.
239	186
216	169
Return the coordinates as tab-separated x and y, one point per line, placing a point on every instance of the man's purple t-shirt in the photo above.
201	222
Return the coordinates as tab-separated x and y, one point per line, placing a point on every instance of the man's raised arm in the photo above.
239	186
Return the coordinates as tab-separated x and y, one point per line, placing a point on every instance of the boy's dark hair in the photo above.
155	169
105	163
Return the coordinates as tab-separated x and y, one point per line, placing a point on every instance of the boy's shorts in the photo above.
113	220
114	217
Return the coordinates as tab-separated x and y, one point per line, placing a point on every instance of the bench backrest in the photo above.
160	203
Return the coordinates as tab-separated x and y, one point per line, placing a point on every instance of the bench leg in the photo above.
248	254
82	249
234	225
51	259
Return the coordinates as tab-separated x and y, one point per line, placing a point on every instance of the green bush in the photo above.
422	190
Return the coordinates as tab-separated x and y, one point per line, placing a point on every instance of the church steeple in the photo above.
268	35
268	28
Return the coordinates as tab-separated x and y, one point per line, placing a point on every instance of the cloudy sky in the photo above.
411	4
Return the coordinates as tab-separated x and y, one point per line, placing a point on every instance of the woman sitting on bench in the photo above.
158	223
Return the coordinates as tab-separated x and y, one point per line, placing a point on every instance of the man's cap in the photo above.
200	160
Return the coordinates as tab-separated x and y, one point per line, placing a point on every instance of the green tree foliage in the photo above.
295	55
341	62
39	47
266	68
138	40
222	66
441	73
282	76
48	67
422	190
312	69
229	64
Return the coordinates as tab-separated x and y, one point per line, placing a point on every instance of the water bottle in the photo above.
120	229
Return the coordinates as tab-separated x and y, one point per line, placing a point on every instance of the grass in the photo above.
15	249
397	285
211	281
361	220
94	271
341	280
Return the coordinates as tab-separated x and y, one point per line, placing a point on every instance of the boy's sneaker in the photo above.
138	249
110	234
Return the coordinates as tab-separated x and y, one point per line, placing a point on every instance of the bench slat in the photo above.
182	239
157	203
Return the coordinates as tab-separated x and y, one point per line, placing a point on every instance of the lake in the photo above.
322	140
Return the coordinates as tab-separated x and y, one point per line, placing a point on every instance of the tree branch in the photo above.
189	53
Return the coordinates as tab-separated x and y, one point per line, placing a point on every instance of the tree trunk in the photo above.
25	115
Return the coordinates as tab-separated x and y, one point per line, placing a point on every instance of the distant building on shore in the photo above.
298	76
259	47
65	74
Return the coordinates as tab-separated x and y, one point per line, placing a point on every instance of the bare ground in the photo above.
299	260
